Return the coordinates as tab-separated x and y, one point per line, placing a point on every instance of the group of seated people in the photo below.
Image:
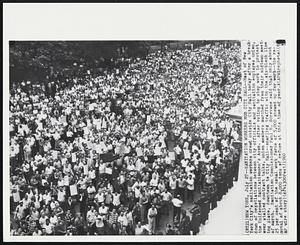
127	152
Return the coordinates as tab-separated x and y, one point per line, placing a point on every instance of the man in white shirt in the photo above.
100	197
100	228
103	209
173	184
166	198
43	219
102	167
37	232
61	196
53	219
53	202
184	162
20	210
177	204
49	169
190	187
189	168
152	213
122	219
139	229
154	181
91	220
92	175
116	199
91	191
49	228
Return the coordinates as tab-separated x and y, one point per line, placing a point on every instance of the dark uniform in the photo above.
184	226
196	221
229	175
220	186
204	207
213	197
236	163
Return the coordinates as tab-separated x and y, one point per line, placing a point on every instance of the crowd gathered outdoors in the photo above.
124	152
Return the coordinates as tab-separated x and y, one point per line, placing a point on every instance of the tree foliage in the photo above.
35	60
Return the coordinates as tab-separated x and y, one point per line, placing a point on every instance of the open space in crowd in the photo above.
124	152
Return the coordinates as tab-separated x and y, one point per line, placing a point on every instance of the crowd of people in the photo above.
125	152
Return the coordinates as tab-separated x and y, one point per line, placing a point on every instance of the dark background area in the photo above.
43	61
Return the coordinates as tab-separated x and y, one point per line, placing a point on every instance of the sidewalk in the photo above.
228	217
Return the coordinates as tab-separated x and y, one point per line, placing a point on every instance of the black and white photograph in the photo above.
123	137
149	122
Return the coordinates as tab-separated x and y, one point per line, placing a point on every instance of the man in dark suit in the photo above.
71	203
184	225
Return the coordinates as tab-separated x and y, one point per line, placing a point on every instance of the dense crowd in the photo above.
121	153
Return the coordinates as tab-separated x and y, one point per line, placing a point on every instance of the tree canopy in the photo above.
38	61
34	60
